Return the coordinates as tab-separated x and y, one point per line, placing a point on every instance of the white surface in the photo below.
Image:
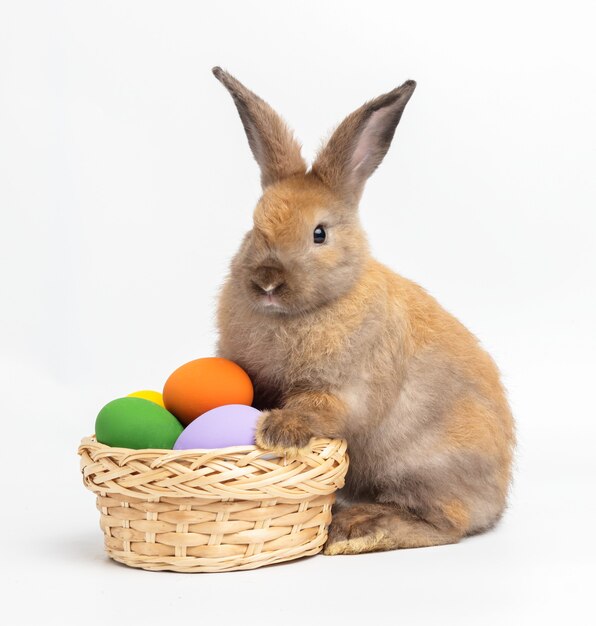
126	185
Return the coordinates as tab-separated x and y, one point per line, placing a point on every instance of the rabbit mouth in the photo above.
270	300
270	303
267	298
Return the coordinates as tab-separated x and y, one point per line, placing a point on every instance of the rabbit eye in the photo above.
319	234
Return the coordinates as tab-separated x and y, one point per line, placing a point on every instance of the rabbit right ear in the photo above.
272	143
358	146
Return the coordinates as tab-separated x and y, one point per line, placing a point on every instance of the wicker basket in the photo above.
213	510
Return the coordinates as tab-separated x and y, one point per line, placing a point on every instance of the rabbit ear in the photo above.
274	147
360	142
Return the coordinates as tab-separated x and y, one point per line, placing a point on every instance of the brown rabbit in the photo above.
338	345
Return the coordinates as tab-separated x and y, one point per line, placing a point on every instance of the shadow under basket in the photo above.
213	510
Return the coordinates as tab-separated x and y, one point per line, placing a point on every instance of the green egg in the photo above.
136	423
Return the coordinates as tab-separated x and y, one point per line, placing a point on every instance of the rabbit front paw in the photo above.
283	430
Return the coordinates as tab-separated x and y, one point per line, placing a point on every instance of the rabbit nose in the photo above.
268	279
269	289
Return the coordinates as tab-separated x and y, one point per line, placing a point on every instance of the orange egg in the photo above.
204	384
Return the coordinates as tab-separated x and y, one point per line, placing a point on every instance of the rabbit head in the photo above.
307	246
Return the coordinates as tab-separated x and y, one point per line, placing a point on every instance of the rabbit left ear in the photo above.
360	142
272	143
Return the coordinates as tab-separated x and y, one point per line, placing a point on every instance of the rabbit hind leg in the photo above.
374	527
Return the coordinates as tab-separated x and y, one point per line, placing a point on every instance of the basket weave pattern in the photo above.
213	510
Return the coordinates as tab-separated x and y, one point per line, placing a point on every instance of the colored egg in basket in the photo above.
136	423
204	384
224	426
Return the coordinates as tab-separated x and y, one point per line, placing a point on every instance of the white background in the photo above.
126	184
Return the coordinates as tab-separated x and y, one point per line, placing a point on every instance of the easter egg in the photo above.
204	384
136	423
230	425
147	394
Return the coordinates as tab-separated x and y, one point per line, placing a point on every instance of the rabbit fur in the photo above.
338	345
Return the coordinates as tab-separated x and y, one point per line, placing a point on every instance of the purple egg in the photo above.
228	425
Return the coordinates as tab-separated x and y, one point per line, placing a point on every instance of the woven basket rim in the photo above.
238	472
176	454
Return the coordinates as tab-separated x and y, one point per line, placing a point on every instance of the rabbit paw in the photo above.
283	430
354	530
